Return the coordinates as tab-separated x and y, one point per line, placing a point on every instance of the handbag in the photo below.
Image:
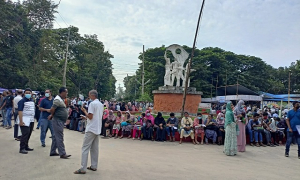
124	124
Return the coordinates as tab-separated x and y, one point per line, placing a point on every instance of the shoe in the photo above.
50	137
43	145
8	127
23	151
55	154
286	154
37	128
28	149
65	156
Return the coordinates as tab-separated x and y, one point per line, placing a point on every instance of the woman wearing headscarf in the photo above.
148	128
161	127
104	119
117	124
110	122
240	114
221	131
127	125
230	145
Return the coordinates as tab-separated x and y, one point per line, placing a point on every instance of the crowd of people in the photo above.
263	126
118	120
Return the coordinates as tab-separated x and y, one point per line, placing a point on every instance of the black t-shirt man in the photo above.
9	101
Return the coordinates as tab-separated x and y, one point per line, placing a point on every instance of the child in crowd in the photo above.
117	125
137	128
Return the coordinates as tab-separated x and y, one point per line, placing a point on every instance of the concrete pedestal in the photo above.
169	99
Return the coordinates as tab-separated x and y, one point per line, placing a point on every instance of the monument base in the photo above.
169	99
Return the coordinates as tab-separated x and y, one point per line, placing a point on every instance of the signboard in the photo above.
204	105
222	99
204	108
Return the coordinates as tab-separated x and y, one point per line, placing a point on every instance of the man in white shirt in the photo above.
92	131
16	101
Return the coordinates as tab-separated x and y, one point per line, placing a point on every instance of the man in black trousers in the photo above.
26	108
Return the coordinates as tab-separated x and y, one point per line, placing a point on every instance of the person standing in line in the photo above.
16	101
26	110
292	121
3	109
59	115
240	113
8	105
230	144
45	107
91	137
38	112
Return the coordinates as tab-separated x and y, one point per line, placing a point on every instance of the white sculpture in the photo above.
168	67
176	69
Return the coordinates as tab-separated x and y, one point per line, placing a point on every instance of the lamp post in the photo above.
289	89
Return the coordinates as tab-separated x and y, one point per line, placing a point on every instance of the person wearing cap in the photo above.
293	122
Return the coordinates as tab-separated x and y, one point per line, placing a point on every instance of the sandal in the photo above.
92	169
79	171
257	145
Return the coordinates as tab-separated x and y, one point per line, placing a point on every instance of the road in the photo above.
125	159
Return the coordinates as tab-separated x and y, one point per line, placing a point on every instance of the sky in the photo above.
269	29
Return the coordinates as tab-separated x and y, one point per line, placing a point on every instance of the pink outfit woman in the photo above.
138	128
199	130
241	138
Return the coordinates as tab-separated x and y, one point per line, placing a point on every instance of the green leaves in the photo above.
217	67
32	54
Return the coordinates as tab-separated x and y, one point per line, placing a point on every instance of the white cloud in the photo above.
268	29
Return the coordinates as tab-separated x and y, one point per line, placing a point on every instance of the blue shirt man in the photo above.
45	107
293	119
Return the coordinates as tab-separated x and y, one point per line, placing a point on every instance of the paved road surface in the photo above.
134	160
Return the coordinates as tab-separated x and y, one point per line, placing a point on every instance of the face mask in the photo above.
28	96
222	118
172	118
148	114
47	95
105	113
199	117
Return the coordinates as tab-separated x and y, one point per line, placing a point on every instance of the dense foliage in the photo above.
32	53
213	67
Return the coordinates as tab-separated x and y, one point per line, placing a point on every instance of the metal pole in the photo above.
212	84
226	85
143	73
237	88
217	85
66	62
289	89
190	61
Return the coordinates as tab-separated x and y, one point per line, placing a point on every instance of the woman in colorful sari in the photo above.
104	119
240	113
230	145
127	125
117	125
137	128
110	122
199	128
